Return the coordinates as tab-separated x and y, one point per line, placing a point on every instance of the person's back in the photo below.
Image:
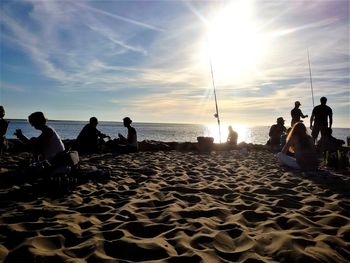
321	113
48	144
319	118
232	136
88	138
301	144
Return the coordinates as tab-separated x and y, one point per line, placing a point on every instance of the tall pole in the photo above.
216	115
312	89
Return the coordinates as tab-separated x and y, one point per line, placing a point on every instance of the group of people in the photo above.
49	144
297	149
90	138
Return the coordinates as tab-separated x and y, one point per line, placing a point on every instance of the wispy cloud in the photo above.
132	58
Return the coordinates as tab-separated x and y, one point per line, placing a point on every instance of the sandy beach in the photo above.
180	206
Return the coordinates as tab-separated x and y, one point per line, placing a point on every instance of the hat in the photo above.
280	119
297	103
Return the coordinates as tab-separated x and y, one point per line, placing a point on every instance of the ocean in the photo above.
159	131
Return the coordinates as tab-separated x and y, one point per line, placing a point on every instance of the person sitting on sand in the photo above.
122	144
90	138
275	133
3	128
301	144
296	113
232	136
48	144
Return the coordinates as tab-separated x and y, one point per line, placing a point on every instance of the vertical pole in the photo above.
216	103
312	89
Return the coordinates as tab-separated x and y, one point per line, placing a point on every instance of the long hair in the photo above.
299	131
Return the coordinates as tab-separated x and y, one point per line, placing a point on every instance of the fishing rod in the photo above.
312	89
216	115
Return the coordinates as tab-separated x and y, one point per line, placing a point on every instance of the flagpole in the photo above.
216	115
312	89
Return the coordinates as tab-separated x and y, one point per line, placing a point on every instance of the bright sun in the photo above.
233	42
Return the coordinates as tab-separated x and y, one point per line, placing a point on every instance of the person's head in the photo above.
127	121
37	119
297	104
2	112
299	131
230	128
93	121
280	121
323	100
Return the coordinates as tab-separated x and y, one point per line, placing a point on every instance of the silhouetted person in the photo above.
275	133
3	128
232	136
90	138
319	119
302	145
48	144
296	113
128	144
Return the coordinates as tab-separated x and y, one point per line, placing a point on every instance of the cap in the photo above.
280	119
297	103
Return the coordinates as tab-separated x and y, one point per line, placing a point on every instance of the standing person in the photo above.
232	136
275	133
88	140
48	144
3	128
319	119
296	114
301	144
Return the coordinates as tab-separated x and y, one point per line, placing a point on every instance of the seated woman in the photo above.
128	144
89	139
48	144
301	144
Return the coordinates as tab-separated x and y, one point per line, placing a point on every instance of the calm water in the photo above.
158	131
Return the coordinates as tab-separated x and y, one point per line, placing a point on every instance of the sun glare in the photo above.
234	42
213	131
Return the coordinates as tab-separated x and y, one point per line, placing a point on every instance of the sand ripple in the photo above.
181	207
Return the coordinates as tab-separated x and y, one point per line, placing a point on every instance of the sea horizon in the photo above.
166	132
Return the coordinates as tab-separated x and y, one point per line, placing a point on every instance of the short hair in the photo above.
2	108
93	120
37	118
323	99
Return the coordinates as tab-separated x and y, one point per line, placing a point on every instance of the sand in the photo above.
226	206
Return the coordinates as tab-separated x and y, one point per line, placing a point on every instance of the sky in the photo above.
159	61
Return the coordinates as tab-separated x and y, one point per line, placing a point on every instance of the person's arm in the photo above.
302	115
20	136
330	119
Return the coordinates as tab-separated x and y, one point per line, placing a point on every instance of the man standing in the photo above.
319	119
296	114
